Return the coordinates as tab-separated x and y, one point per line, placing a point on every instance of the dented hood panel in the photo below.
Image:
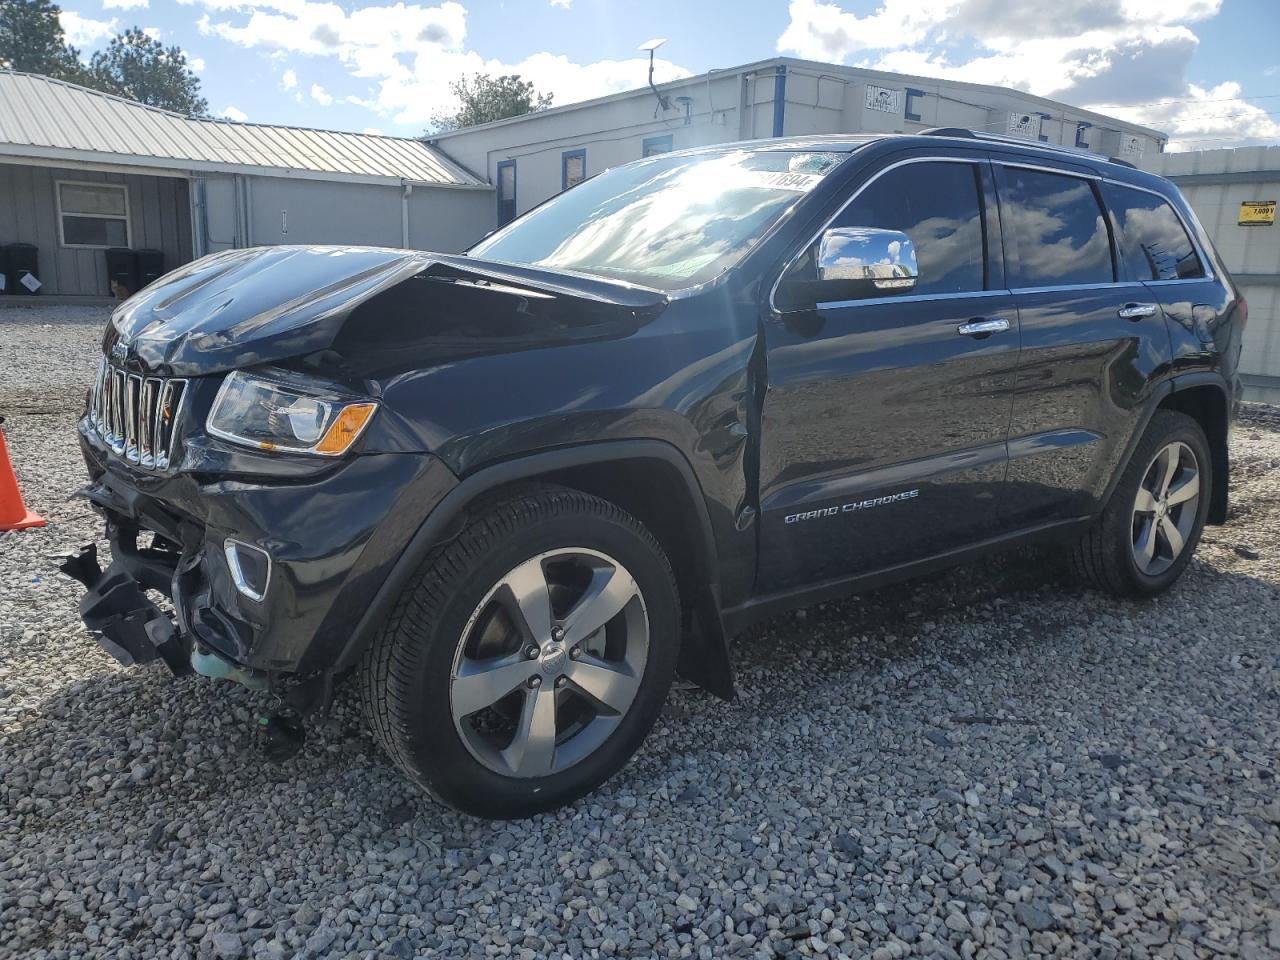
242	308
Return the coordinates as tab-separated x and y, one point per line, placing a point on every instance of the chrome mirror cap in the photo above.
884	258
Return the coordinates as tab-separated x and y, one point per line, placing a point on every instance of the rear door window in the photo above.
1153	243
1055	230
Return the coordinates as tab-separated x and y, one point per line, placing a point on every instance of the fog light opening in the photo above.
250	568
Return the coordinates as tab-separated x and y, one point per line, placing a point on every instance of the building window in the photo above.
573	168
93	214
653	146
506	191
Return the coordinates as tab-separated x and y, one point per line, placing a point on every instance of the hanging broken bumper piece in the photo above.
125	623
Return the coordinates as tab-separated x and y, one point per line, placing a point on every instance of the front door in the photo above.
884	421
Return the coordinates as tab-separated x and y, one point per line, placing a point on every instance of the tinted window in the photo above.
1055	227
938	207
1153	243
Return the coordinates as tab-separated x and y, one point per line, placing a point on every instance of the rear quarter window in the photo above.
1153	243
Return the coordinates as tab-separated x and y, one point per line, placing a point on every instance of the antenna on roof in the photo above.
651	46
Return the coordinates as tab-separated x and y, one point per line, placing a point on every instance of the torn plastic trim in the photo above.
125	623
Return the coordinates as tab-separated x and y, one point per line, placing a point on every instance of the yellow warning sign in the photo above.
1255	213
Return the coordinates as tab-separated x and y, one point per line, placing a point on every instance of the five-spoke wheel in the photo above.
528	659
549	662
1165	508
1145	536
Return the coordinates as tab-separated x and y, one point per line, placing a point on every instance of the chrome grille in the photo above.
136	416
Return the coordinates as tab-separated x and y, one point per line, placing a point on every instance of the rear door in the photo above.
884	424
1156	249
1090	344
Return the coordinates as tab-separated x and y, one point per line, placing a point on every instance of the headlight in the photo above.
272	416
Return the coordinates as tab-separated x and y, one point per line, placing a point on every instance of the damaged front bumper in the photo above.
134	629
324	544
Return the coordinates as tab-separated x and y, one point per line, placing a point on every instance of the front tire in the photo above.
529	657
1145	537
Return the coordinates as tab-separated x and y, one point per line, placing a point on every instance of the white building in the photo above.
532	157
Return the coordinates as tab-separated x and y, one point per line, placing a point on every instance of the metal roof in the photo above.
55	120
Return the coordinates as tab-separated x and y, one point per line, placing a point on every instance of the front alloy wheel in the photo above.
530	655
549	663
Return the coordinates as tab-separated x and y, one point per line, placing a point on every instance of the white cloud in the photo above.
84	31
409	52
232	113
1128	58
153	32
319	95
372	131
562	4
125	4
197	64
288	80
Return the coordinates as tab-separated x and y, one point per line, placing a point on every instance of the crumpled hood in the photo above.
241	308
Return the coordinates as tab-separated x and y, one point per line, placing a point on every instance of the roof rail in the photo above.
968	134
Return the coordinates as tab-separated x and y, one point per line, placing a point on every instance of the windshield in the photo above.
666	222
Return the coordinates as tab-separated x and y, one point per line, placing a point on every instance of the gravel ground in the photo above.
987	763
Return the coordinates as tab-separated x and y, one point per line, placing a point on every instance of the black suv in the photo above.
515	491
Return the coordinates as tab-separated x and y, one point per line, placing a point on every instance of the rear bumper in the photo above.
331	538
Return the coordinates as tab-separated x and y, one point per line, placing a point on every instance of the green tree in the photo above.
32	40
140	68
482	98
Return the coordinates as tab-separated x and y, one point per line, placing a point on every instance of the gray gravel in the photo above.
987	763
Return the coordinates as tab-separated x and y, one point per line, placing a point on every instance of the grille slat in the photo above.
137	417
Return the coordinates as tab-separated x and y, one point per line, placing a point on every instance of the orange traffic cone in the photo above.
13	512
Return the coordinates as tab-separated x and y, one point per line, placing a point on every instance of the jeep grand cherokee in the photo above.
513	492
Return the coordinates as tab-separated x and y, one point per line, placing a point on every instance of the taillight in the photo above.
1243	306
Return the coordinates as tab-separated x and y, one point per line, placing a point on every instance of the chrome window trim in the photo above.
1039	168
909	298
1051	288
1205	263
773	305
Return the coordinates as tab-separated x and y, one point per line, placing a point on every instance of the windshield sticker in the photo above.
799	182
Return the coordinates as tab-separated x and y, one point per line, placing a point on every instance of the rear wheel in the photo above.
528	659
1145	537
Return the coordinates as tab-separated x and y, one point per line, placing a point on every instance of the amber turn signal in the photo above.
346	428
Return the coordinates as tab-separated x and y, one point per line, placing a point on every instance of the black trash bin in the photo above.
122	272
150	267
24	268
6	285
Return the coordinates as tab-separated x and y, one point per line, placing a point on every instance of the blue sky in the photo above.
1195	68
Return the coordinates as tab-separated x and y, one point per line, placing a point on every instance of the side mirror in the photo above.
865	261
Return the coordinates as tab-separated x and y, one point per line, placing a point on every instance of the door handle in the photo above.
1137	311
983	328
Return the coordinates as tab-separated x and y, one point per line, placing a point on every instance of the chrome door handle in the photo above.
1137	311
983	328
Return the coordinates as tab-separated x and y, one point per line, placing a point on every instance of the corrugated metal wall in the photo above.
159	214
1215	182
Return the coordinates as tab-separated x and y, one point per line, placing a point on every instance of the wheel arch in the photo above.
650	479
1204	399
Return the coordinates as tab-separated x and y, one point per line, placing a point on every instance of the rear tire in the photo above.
1145	536
493	687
